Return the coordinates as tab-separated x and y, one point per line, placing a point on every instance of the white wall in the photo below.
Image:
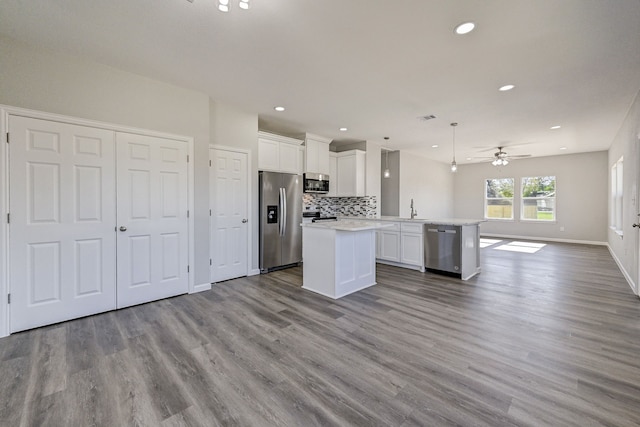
428	183
66	85
581	201
627	143
232	127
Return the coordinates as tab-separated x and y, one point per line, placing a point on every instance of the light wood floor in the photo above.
544	339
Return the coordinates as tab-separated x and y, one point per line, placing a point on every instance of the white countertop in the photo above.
349	224
446	221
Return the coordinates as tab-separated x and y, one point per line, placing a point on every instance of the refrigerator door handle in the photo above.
284	211
280	211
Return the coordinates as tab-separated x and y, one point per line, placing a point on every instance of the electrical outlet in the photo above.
561	228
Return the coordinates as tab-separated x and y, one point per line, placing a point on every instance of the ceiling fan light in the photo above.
454	166
223	7
495	162
244	4
505	162
387	173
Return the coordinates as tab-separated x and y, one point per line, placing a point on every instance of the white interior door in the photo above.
152	223
62	207
229	207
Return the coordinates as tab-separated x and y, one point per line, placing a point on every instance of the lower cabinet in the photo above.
388	243
411	244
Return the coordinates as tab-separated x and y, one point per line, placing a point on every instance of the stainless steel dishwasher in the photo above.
442	249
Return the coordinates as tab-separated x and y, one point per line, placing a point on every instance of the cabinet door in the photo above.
346	176
324	165
268	155
390	245
333	175
412	248
312	156
289	158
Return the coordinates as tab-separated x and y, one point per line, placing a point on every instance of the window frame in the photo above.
617	197
486	200
523	198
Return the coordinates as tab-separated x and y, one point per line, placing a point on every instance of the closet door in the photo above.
152	223
62	204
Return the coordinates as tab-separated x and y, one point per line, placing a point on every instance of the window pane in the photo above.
539	186
499	208
542	209
500	188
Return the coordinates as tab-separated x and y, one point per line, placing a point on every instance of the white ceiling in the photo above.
375	66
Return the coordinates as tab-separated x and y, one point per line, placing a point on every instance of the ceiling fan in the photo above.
501	158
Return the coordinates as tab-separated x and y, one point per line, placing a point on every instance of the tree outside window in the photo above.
499	198
538	198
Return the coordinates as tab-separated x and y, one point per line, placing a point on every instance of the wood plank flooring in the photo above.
544	339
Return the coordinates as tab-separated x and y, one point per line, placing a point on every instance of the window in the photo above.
499	198
616	196
538	198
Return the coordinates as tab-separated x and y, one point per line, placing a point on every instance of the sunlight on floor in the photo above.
488	242
527	247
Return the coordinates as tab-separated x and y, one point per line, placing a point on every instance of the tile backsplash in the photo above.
340	206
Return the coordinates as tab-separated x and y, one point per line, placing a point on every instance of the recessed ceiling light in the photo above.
506	88
343	129
469	158
563	148
465	28
555	127
278	108
434	146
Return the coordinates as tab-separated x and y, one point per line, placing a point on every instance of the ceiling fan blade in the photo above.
519	156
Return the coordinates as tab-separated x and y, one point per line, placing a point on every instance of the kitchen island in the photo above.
339	257
450	245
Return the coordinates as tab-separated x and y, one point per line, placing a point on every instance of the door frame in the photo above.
5	112
250	215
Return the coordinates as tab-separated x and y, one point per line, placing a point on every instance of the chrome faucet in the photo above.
413	212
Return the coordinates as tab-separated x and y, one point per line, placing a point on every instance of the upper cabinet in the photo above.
351	173
333	174
317	154
279	153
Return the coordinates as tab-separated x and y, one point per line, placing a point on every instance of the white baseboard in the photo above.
200	288
545	239
253	272
627	276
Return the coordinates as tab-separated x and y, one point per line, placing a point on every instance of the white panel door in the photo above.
152	223
63	208
229	208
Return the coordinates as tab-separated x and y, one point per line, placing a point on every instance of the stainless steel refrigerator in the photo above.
280	218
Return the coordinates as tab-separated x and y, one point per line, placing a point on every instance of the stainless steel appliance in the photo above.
280	218
316	183
442	248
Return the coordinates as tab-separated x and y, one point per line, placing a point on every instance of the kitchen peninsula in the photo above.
450	246
339	257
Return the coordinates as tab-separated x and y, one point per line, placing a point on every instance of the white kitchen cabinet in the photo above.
351	173
389	243
317	154
333	174
279	153
412	244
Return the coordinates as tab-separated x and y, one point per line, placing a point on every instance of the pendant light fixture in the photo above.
386	173
454	165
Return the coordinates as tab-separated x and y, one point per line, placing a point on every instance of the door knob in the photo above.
636	225
123	228
245	221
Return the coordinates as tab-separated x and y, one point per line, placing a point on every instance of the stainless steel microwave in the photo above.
316	183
